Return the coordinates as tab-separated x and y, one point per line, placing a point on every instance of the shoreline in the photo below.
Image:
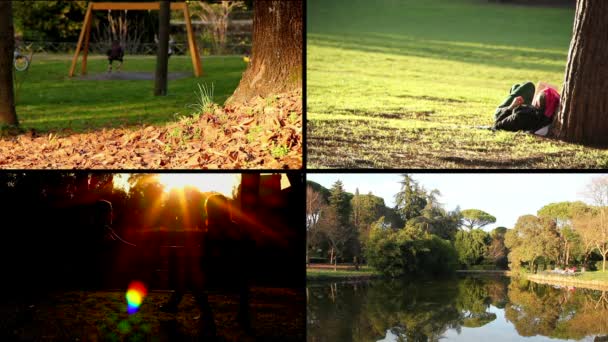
343	275
563	281
321	274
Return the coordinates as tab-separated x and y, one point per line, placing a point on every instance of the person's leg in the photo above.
525	90
207	322
176	282
119	65
243	316
523	119
109	65
171	305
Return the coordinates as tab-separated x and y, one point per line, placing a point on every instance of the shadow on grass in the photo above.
473	53
47	100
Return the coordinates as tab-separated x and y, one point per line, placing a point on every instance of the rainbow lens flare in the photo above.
135	295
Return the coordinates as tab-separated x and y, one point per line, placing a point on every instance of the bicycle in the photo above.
20	61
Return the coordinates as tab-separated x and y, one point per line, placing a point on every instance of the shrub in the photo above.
397	253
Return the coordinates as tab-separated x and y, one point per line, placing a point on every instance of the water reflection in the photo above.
460	308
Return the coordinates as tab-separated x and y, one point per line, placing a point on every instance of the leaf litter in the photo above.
261	133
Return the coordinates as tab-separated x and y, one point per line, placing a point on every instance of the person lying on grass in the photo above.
116	53
527	108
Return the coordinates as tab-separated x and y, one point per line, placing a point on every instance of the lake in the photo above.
461	308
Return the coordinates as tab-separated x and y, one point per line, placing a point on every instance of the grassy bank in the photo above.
590	280
341	274
406	83
48	100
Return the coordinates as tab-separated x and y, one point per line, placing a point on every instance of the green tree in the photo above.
532	238
366	209
51	20
335	223
411	199
436	220
395	253
475	218
471	246
563	213
497	251
320	189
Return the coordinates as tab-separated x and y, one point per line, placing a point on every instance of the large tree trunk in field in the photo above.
584	110
7	46
162	55
276	59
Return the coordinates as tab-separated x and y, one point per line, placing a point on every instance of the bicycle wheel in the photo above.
21	63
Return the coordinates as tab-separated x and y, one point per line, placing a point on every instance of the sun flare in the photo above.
222	183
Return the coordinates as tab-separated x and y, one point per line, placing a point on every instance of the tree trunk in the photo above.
335	263
584	107
162	55
276	59
7	47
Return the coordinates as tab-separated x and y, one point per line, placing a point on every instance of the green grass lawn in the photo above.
48	100
323	274
597	276
405	83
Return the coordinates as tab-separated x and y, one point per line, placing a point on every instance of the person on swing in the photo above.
527	108
115	53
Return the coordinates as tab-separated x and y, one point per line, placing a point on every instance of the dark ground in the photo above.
278	314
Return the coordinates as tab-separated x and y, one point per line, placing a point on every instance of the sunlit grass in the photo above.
597	276
407	83
48	100
319	274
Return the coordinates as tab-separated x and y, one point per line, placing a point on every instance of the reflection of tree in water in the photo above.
364	312
334	312
536	309
473	301
424	311
412	311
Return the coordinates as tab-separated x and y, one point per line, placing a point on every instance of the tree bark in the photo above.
8	116
276	59
584	106
162	55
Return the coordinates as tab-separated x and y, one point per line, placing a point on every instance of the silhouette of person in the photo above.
223	263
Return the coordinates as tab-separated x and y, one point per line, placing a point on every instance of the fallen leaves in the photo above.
262	133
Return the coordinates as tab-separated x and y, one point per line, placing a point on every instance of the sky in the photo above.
505	196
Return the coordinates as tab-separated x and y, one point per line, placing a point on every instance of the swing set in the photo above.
85	33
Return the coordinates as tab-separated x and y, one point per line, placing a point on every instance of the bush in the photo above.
397	253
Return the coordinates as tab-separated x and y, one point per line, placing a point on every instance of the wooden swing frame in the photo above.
85	33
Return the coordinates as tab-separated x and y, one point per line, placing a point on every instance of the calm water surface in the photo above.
464	308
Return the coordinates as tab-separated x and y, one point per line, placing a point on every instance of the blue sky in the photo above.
506	196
